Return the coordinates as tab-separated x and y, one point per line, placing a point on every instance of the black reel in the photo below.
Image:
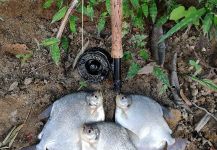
94	64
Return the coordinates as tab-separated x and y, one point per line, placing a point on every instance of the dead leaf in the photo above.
147	69
176	117
13	86
187	101
16	49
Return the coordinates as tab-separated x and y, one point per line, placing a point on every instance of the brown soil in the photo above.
39	82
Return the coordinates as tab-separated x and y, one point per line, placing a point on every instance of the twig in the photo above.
176	87
205	110
65	19
30	110
202	122
37	43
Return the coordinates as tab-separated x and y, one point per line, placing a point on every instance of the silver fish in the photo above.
67	115
143	117
105	136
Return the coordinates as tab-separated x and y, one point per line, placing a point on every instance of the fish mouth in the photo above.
122	102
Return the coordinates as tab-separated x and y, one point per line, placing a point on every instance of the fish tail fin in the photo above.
180	144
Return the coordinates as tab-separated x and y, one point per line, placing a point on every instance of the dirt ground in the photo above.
39	82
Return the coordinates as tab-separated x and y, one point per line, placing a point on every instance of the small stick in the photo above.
202	122
214	117
65	19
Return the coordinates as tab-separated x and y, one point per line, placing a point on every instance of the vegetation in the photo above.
135	14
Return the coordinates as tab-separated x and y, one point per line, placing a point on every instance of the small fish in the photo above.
143	117
158	49
105	136
67	115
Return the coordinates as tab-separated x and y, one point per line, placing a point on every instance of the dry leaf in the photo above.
16	49
147	69
176	117
187	101
13	86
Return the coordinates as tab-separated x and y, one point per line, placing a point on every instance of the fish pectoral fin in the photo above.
46	113
124	114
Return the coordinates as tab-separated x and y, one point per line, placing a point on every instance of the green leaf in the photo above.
215	19
184	22
133	70
65	43
50	41
23	57
72	23
101	22
206	82
153	11
135	3
59	15
160	74
55	53
59	3
139	40
144	54
90	12
47	4
108	6
82	84
162	20
177	13
125	28
207	23
191	10
127	56
145	9
196	66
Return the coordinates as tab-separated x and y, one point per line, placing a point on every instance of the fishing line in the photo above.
82	24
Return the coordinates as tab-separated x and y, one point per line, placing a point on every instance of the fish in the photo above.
66	116
143	117
105	136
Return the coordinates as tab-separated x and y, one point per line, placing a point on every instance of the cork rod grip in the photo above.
116	19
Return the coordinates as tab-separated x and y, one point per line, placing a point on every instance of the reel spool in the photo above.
94	64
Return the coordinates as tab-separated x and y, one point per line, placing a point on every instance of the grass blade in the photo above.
183	23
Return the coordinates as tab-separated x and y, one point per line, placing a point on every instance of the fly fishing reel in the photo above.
95	64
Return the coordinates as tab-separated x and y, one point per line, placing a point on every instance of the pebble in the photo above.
54	30
194	92
13	86
28	81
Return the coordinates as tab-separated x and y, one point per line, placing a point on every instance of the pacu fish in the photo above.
105	136
143	117
67	115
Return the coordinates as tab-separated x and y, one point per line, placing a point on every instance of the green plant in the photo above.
53	44
205	16
161	75
82	84
204	82
23	57
196	66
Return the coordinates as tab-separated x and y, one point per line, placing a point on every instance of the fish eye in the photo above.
89	131
122	97
96	97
